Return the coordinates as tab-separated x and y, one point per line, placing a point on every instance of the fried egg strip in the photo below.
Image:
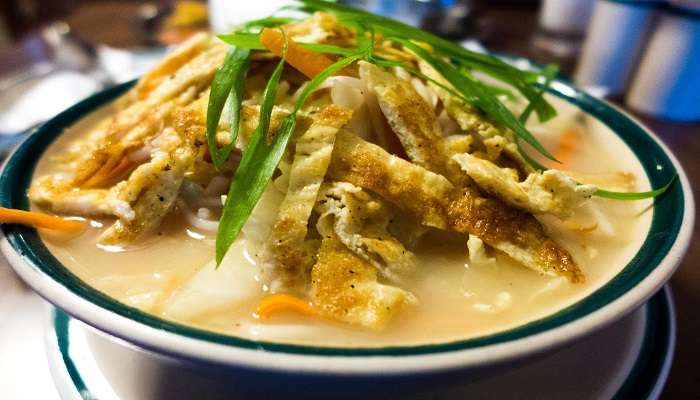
145	117
434	201
311	158
57	195
409	116
498	141
550	192
360	222
150	191
345	288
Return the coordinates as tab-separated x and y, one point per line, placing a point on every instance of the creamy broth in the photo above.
457	299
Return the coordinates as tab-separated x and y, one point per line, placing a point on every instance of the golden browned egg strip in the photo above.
509	230
360	221
551	192
311	158
142	119
410	117
434	201
47	191
344	287
499	142
150	191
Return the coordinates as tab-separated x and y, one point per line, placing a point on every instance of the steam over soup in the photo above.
369	197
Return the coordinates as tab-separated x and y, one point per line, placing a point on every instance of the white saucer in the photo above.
628	360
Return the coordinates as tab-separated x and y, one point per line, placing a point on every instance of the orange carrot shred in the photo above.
106	176
39	220
283	302
304	60
567	146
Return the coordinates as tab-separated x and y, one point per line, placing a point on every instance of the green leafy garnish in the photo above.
493	66
261	157
247	40
253	172
228	83
475	94
607	194
247	35
549	72
326	48
267	22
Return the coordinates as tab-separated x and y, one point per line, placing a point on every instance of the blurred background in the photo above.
642	55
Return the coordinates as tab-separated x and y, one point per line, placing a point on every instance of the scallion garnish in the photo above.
327	49
549	72
476	95
246	40
228	83
267	22
607	194
253	172
493	66
261	156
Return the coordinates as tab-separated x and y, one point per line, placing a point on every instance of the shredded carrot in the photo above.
304	60
108	177
39	220
173	283
580	227
284	302
105	171
567	146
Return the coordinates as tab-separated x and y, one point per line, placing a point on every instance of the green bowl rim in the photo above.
666	223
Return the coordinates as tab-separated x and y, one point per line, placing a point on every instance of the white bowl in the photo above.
348	370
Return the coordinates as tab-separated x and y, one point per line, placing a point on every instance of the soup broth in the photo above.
170	274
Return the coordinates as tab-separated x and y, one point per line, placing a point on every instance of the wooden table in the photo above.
510	29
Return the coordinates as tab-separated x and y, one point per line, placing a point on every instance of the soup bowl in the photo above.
252	364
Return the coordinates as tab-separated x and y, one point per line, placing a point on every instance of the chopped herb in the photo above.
549	72
261	156
475	94
253	172
493	66
267	22
244	40
326	48
607	194
228	83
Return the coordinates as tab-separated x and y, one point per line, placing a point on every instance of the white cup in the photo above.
667	82
565	16
614	40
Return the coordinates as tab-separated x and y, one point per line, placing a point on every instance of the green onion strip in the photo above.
260	158
228	83
252	174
